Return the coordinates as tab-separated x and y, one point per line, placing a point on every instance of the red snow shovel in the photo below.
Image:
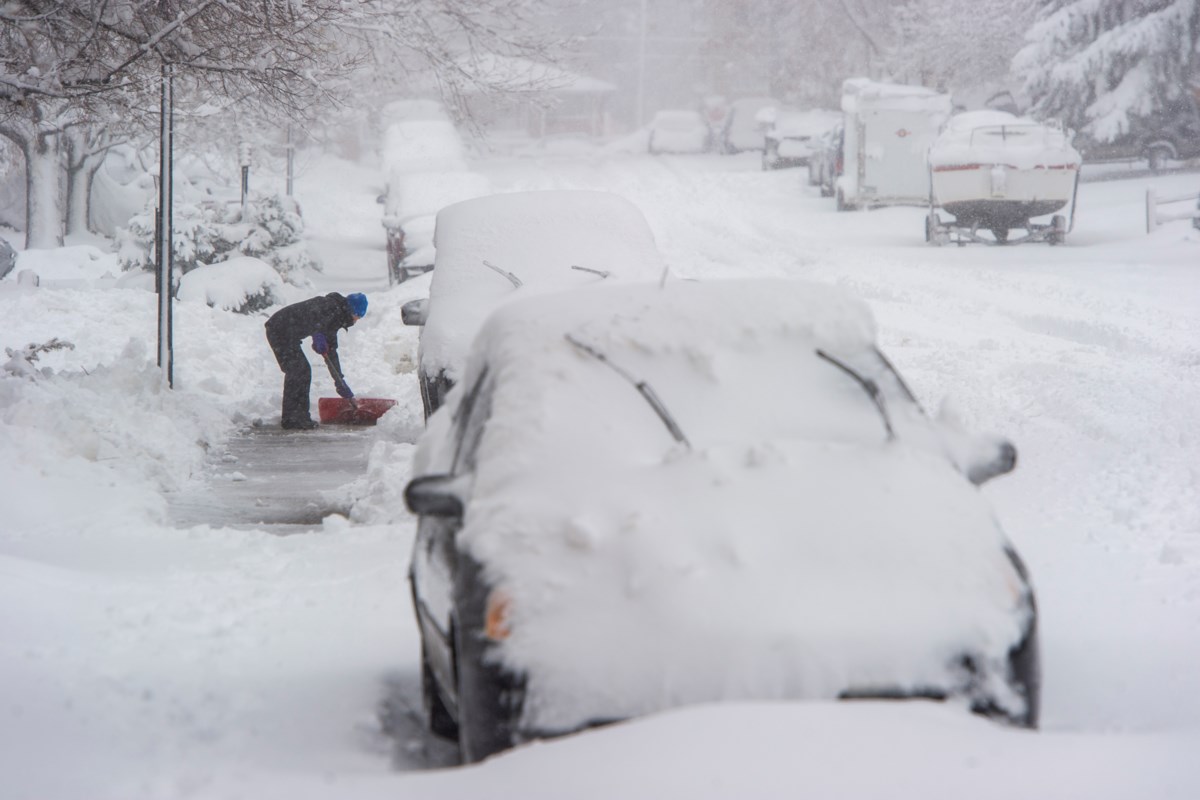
350	410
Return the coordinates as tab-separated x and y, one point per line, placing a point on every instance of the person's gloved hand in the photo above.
320	344
344	391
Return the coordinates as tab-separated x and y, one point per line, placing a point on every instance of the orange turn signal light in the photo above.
495	621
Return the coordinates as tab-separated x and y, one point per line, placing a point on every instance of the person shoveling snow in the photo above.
320	318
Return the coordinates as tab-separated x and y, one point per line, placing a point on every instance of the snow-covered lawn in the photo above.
138	660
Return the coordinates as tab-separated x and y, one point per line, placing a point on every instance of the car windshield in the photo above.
734	396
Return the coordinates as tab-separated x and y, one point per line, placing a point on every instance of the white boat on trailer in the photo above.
997	172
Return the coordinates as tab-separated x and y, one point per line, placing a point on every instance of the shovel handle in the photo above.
339	381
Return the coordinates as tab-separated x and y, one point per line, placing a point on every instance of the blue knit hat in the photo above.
357	303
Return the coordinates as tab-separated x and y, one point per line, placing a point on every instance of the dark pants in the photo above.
297	378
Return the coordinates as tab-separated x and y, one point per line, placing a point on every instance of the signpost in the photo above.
244	158
164	250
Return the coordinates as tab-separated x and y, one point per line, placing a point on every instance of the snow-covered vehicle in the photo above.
1160	141
793	136
645	496
825	165
410	210
8	257
743	130
495	249
994	171
888	129
425	165
678	131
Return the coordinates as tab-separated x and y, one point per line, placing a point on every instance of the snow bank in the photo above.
233	285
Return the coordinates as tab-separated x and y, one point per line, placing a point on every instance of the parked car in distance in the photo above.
792	135
8	257
495	249
678	131
743	130
425	168
643	496
825	166
1158	143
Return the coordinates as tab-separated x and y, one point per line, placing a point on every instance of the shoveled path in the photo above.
283	481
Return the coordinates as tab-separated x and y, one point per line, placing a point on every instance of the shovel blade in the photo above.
359	411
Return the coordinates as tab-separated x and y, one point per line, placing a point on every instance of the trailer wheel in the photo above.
1058	229
935	232
1158	154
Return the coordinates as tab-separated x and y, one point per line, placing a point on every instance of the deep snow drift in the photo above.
139	660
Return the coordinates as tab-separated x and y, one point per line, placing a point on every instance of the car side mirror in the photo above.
381	199
414	312
993	457
435	496
980	457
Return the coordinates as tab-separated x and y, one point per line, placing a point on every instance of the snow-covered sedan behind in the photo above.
644	496
504	247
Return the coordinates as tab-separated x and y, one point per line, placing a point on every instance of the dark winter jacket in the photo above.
292	324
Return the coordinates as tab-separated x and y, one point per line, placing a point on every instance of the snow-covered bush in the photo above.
242	284
210	232
21	361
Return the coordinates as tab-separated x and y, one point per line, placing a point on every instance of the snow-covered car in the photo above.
678	131
425	166
743	130
494	249
1159	142
792	135
644	496
410	210
825	165
8	257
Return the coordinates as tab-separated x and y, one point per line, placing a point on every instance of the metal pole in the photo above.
291	160
641	77
164	255
244	158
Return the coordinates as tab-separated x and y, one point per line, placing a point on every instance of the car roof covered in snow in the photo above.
423	145
547	240
806	122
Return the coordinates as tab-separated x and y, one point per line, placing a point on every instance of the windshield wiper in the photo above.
516	282
869	386
642	387
603	273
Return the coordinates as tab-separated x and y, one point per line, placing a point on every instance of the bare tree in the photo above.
72	64
65	62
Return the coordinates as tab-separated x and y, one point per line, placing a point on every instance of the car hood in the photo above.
788	569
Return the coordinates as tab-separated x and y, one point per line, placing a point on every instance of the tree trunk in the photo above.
78	187
43	211
85	153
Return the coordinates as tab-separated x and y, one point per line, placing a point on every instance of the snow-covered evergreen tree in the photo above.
1104	65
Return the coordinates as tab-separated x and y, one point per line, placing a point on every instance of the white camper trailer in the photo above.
889	128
